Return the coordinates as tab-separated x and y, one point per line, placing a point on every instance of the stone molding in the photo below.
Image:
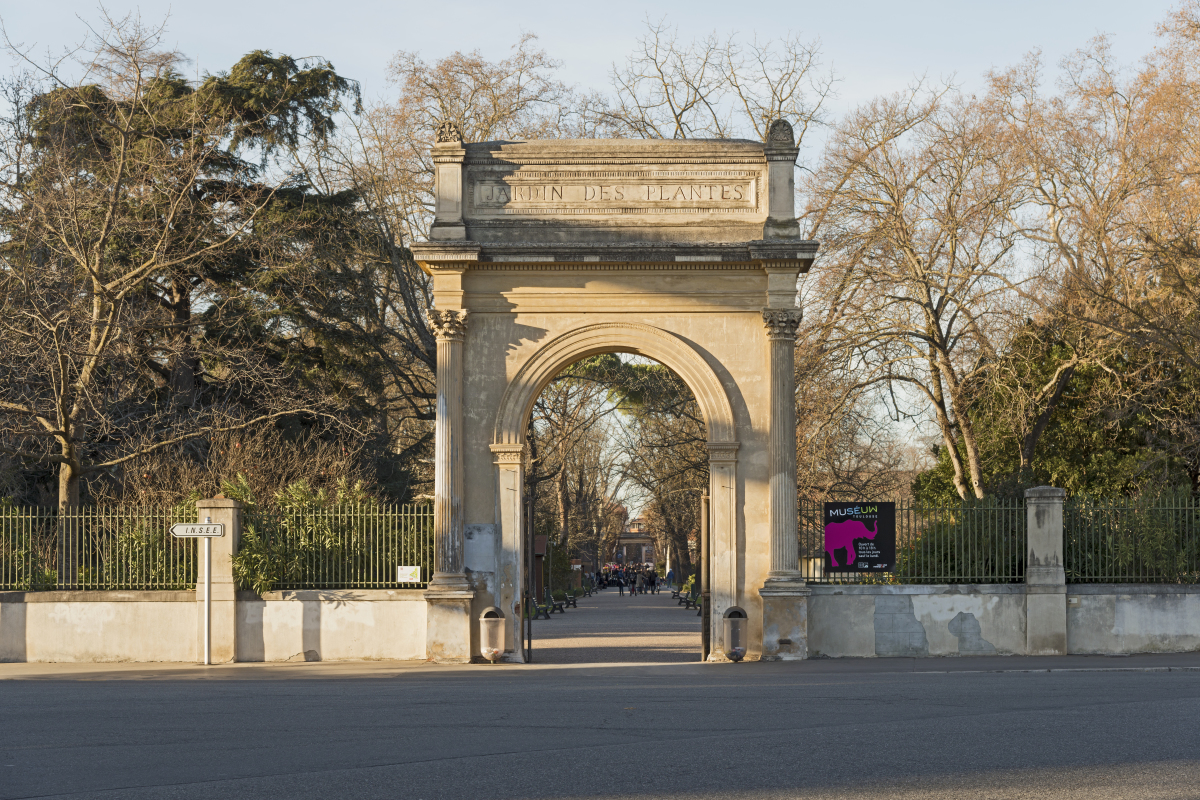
613	337
1045	494
782	323
508	454
775	587
722	452
449	325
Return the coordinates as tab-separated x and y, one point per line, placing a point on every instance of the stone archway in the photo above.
509	445
546	252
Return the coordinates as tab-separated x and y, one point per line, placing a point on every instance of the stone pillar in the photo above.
449	595
724	548
1045	578
448	155
781	151
784	595
785	549
510	461
224	597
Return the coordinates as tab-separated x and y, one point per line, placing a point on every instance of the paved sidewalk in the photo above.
608	628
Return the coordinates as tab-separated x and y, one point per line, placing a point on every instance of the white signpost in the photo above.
207	530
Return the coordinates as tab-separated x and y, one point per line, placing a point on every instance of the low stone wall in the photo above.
990	619
1132	618
98	626
331	625
162	626
887	620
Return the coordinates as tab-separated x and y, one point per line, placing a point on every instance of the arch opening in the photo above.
616	465
715	448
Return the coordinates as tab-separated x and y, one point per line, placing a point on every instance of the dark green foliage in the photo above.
1112	432
345	539
1154	538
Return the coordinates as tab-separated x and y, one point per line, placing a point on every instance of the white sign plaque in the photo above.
204	530
408	574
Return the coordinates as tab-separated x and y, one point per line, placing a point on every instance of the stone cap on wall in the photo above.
218	502
1045	494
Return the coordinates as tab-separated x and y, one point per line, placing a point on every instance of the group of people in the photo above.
637	578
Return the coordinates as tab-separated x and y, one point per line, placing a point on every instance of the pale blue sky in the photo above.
874	46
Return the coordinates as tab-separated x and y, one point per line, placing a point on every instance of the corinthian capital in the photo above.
449	324
782	322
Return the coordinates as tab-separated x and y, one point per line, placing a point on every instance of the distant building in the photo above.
634	545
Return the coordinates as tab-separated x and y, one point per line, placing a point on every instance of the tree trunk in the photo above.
186	365
949	440
564	504
68	527
1030	440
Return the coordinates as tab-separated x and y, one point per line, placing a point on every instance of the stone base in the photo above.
785	621
1046	620
448	626
224	625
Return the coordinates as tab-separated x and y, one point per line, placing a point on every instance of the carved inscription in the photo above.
733	195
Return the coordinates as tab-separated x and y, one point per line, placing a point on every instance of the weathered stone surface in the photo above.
560	250
897	631
614	190
966	629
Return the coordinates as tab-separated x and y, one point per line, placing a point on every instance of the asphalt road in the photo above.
878	728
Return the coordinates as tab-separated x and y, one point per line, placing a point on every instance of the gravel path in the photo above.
608	628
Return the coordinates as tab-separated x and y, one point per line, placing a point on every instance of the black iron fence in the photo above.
1150	540
970	542
348	546
93	547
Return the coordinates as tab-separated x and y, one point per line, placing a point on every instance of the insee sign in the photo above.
206	530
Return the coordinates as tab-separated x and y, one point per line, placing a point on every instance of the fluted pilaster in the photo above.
781	337
448	567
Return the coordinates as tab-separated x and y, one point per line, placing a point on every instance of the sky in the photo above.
875	47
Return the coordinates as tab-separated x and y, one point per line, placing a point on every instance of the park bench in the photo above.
692	600
571	601
539	611
557	605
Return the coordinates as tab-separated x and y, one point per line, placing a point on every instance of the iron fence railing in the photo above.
1151	540
93	547
347	546
970	542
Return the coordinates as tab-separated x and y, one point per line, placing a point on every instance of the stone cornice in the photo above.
509	454
772	253
722	451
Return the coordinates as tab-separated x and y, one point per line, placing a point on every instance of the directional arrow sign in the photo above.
208	530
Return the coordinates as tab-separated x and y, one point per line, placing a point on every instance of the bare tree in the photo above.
117	186
918	283
711	88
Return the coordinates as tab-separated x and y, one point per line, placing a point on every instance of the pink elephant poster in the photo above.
860	537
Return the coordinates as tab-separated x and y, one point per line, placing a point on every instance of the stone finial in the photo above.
451	132
781	134
782	322
449	324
